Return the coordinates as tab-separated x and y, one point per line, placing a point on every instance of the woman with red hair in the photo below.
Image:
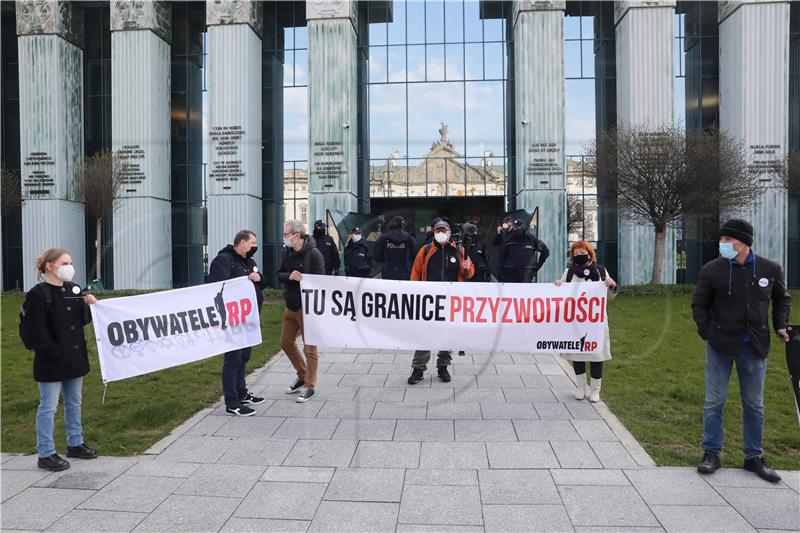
584	267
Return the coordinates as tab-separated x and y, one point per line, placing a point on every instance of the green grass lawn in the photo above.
137	412
654	384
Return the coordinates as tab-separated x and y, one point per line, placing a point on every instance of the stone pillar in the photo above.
234	172
539	105
645	98
754	106
140	131
51	131
333	107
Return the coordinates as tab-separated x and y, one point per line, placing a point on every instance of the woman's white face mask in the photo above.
65	272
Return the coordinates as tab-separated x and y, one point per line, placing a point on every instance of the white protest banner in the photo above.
413	315
140	334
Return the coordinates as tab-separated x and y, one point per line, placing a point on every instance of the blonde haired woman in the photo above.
52	321
584	267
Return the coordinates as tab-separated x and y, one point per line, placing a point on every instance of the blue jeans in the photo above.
234	387
751	370
45	415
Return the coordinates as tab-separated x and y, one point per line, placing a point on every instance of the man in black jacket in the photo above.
730	306
476	250
327	247
521	255
235	261
300	256
357	258
396	249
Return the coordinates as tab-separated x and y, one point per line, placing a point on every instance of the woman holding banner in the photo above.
584	267
51	323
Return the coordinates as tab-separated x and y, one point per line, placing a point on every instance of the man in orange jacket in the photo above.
440	260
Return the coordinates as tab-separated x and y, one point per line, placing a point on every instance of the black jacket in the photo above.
308	260
396	249
521	256
476	250
357	260
229	264
731	301
330	253
57	327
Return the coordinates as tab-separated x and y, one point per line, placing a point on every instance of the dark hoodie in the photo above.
396	249
308	260
229	264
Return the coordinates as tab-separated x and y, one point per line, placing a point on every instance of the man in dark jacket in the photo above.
234	261
503	231
730	306
396	249
327	247
476	251
300	256
521	255
357	258
440	260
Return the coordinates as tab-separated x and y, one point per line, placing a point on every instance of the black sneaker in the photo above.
762	469
242	410
709	464
462	353
305	395
295	387
81	452
250	399
53	463
444	375
415	377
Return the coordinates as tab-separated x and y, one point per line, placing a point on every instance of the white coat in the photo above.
603	355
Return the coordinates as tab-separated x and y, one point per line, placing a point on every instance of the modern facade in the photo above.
233	114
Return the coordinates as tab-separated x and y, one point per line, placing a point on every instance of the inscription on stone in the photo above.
38	174
226	142
131	157
764	160
328	163
544	161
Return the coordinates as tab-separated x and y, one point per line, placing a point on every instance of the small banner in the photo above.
484	317
140	334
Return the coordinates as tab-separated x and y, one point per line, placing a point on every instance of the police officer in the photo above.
396	250
522	255
327	247
503	231
476	250
357	258
234	261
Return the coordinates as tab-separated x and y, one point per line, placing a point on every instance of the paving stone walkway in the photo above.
502	447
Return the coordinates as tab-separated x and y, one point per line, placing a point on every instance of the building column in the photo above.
539	106
645	98
754	107
140	131
234	172
51	131
333	108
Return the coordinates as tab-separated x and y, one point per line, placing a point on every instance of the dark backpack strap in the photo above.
602	270
569	275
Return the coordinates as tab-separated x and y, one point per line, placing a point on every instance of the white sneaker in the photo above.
580	390
594	395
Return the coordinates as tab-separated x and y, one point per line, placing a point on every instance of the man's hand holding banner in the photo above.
512	317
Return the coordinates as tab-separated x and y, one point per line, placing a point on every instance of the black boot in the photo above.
82	451
762	469
444	375
54	463
709	464
415	377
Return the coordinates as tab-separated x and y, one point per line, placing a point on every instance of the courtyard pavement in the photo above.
503	447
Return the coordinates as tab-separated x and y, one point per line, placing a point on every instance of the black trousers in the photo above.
595	368
234	387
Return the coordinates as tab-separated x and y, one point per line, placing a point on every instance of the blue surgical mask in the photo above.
726	250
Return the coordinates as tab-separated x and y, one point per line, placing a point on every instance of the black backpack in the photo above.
26	333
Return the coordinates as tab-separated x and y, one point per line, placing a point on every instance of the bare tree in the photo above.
574	214
10	190
98	180
788	171
663	174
